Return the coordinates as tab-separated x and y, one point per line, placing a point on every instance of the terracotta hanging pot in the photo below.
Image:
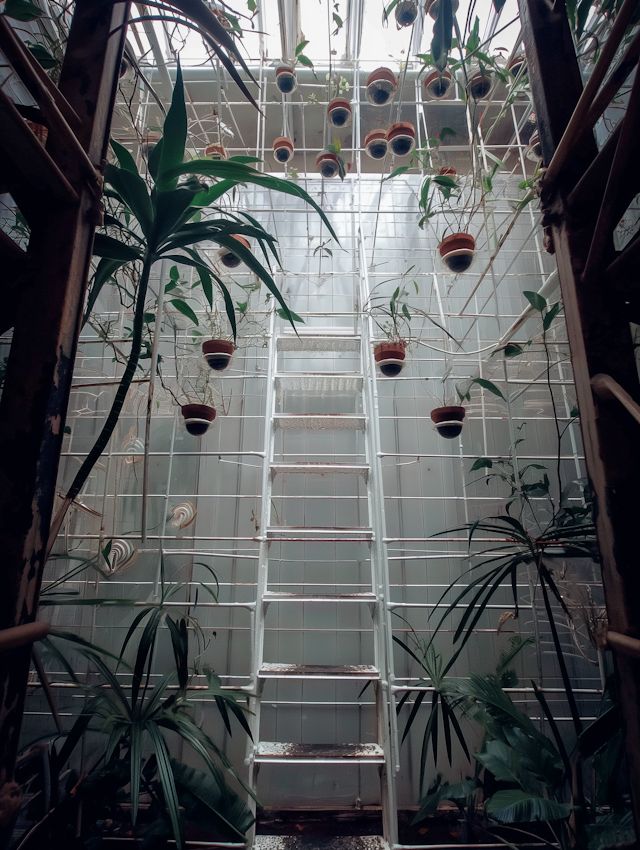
448	420
390	357
406	12
534	149
375	144
327	164
198	418
381	86
448	171
216	152
218	353
401	138
516	63
282	149
228	258
339	112
458	252
433	8
39	131
480	85
150	141
286	79
437	84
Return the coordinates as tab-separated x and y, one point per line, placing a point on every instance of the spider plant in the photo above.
162	218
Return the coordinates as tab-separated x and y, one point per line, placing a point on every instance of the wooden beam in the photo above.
41	359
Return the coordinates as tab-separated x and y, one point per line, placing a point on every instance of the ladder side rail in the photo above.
381	613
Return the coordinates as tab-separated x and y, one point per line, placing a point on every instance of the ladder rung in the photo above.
320	421
277	596
318	671
310	342
320	381
311	468
271	751
281	532
299	842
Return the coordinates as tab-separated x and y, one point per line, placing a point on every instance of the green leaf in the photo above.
304	60
550	315
488	385
112	249
21	10
183	307
482	463
225	805
517	806
502	761
174	274
301	47
174	135
442	34
401	170
512	349
133	191
125	160
289	316
43	56
536	300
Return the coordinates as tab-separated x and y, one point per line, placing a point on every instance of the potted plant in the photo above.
448	420
437	84
458	251
339	112
227	256
216	152
390	356
406	12
330	162
393	319
480	83
218	353
286	80
401	138
381	86
197	417
534	149
282	149
515	64
375	144
432	8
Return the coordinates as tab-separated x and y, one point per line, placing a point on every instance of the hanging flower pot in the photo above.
282	149
534	149
457	252
125	67
480	85
198	418
406	12
228	258
218	353
216	152
390	357
401	138
433	8
437	84
327	164
39	131
286	79
375	144
516	63
381	86
448	171
339	112
448	420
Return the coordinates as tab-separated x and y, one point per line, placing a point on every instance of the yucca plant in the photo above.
136	720
161	218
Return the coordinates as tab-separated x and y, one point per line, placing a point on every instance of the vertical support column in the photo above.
383	636
600	341
47	325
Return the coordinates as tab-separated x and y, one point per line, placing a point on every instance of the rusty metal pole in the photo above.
601	343
46	330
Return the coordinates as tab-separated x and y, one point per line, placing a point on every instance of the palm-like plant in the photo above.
136	720
161	218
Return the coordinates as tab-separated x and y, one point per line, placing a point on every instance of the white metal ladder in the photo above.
383	753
